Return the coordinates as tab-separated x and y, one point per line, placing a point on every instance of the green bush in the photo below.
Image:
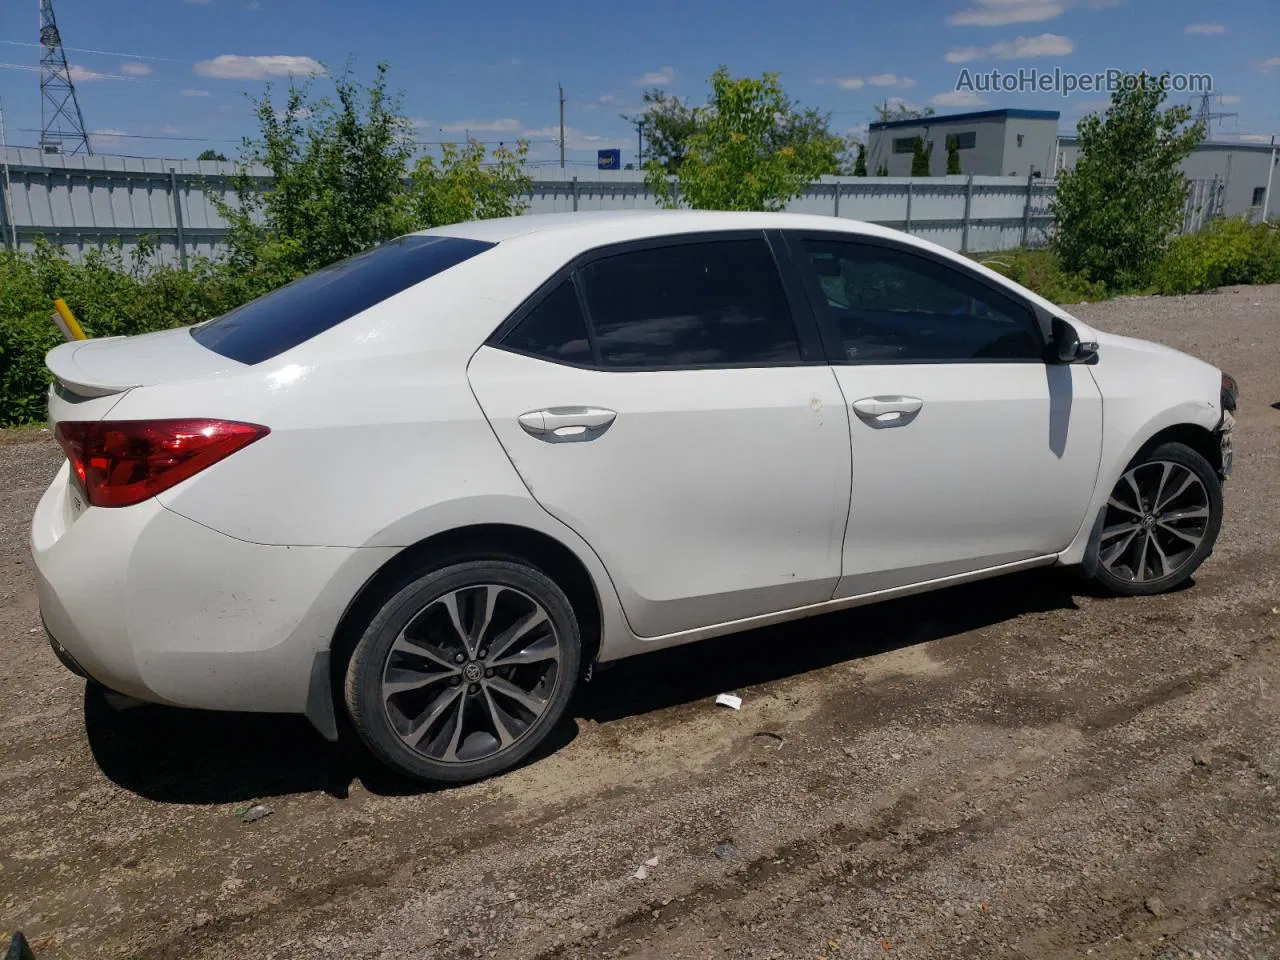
1226	252
1041	271
111	295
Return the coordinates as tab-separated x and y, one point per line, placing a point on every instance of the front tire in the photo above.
1159	523
464	671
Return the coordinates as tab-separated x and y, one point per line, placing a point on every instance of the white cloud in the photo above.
196	93
1256	137
1229	99
198	3
229	66
135	69
1270	64
419	123
503	125
1021	48
170	130
81	74
658	78
253	5
1205	28
106	136
999	13
878	80
958	98
891	80
575	139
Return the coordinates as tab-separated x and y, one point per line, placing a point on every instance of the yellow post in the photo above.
69	325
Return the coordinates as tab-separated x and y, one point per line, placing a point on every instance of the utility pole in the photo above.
1271	170
11	238
561	126
639	142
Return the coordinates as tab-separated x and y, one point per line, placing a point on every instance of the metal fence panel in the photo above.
82	203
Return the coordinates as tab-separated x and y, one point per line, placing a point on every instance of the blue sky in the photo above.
181	68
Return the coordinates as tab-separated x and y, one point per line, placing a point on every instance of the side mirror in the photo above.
1066	345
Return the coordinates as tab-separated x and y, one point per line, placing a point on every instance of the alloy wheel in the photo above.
471	673
1157	517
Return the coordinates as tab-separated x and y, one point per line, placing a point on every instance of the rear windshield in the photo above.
284	318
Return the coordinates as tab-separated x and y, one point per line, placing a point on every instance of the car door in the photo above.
660	400
970	451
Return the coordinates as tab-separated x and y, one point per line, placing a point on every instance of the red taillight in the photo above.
123	462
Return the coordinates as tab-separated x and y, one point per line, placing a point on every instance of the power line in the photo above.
104	53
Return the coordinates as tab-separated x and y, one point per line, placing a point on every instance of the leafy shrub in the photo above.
1226	252
1042	272
111	295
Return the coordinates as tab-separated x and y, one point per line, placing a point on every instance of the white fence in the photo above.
86	202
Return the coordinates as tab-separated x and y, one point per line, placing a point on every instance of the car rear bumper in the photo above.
158	607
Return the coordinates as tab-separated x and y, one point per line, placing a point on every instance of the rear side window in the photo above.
284	318
554	330
714	303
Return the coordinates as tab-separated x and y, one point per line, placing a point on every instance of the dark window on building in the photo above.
1259	194
1020	139
715	303
891	306
289	315
554	330
905	144
962	141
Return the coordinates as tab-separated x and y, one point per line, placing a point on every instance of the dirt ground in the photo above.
1015	768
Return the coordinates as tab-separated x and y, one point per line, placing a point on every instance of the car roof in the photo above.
631	224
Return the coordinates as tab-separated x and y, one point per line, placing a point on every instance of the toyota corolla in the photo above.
432	485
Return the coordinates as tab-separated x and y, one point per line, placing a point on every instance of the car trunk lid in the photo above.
90	376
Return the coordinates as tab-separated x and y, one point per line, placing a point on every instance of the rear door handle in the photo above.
887	411
562	424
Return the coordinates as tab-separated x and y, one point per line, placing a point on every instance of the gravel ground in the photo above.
1015	768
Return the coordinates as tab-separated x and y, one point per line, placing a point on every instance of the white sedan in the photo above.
430	486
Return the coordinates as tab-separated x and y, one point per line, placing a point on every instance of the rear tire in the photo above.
1159	523
465	670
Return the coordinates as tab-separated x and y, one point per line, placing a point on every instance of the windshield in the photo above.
284	318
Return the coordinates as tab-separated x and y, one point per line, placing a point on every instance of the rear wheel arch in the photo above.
493	541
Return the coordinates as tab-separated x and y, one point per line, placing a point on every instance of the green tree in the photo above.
1117	208
953	156
336	187
883	169
211	155
920	159
667	123
465	184
900	111
752	148
860	165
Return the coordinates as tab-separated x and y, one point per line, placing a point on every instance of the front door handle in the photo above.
564	424
887	411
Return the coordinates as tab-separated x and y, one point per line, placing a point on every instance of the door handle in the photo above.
562	424
887	411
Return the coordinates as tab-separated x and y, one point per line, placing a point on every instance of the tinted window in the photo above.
286	317
554	330
690	304
890	306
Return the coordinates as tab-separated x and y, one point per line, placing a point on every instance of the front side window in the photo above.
891	306
289	315
715	303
